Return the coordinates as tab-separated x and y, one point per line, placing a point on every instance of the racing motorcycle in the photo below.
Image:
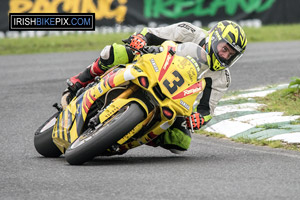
130	105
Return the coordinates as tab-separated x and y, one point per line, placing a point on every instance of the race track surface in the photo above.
211	169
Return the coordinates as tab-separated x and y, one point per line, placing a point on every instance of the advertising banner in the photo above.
158	12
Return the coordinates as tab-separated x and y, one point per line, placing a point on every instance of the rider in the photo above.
225	43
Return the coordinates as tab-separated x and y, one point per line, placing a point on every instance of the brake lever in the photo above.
141	52
191	124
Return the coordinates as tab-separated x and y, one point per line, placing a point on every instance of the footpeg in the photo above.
59	108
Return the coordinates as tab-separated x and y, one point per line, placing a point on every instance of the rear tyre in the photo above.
43	142
94	142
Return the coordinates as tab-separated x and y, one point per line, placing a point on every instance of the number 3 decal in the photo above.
175	84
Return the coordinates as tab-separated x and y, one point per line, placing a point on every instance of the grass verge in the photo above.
284	100
80	42
273	33
66	43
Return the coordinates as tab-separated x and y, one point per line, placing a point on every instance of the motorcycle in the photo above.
128	106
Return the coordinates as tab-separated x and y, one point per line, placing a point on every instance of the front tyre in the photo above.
43	141
96	141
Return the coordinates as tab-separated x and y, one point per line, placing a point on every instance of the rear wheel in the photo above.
96	141
43	141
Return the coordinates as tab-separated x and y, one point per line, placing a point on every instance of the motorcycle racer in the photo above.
225	43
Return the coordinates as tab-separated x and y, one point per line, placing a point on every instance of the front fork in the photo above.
127	92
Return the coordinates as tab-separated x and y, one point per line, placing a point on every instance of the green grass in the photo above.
254	141
273	33
98	41
212	134
271	143
285	100
66	43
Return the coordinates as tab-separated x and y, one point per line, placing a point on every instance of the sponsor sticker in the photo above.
154	65
167	62
187	27
194	62
192	74
228	80
192	91
100	89
184	105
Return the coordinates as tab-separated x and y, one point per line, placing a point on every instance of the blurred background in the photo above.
272	28
269	25
127	16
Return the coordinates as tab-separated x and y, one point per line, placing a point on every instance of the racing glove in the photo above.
197	121
136	41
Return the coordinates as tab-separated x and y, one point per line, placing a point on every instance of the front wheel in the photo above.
43	141
96	141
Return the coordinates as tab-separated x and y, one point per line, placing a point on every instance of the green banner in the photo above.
156	12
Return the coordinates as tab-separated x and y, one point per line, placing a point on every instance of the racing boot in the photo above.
79	81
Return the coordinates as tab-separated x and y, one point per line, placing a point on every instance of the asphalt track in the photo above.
211	169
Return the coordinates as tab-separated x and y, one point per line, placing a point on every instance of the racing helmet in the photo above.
225	32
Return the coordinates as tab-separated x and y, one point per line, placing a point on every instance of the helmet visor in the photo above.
226	54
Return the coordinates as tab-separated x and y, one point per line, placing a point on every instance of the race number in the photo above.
175	84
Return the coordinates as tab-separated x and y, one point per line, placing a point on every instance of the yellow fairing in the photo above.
170	79
70	122
176	77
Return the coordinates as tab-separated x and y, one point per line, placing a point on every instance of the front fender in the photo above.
117	105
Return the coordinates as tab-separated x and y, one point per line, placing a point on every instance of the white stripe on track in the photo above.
231	127
236	107
287	137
